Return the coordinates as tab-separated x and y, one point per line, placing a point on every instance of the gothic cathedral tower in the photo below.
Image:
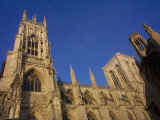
29	74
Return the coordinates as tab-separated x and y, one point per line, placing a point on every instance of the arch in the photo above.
91	116
31	81
87	98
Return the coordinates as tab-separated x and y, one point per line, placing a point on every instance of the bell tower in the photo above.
29	74
32	41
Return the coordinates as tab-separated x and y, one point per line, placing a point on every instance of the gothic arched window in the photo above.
31	82
32	45
91	116
123	76
115	80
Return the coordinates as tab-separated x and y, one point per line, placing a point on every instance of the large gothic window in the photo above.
31	82
123	76
32	45
115	80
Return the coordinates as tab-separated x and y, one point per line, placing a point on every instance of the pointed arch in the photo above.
91	116
31	81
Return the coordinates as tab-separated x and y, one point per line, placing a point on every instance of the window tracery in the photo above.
33	45
123	76
31	82
115	80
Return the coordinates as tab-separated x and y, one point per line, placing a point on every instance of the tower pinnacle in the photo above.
44	22
73	77
147	28
154	35
93	81
24	16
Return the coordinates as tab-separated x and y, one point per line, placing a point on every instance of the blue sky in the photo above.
84	33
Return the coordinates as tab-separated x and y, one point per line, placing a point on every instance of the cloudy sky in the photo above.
84	33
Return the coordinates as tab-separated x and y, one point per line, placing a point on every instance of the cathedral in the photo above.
29	89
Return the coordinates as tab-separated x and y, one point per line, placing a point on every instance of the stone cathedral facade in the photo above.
29	90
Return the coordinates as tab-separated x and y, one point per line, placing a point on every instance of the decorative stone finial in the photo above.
148	29
155	37
73	77
24	16
93	81
44	22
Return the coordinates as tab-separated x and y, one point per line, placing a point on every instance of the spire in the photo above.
148	29
154	35
73	77
24	16
93	81
34	19
44	22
